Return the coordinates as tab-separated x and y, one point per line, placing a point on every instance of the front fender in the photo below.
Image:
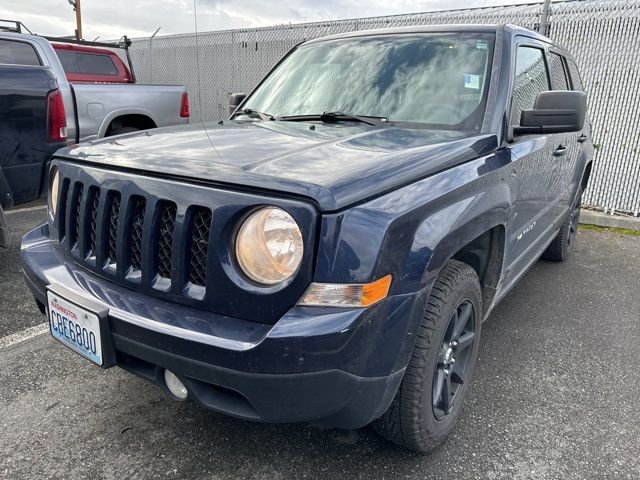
460	228
412	231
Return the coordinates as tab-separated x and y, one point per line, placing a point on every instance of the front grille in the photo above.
130	238
130	213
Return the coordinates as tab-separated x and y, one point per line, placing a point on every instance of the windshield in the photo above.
439	79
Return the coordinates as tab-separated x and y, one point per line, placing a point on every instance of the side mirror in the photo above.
235	99
557	111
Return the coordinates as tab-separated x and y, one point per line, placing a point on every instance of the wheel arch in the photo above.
481	249
127	117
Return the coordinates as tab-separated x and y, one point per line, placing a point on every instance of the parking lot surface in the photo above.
556	395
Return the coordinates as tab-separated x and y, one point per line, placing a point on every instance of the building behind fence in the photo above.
604	36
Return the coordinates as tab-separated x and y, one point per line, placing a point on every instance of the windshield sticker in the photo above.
481	45
472	81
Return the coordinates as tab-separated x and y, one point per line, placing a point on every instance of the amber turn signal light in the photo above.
347	294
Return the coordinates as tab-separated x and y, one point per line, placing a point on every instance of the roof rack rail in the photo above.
13	26
124	42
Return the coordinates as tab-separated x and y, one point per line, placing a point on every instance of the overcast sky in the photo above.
112	18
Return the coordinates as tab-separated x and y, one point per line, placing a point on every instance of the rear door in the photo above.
566	164
581	141
537	181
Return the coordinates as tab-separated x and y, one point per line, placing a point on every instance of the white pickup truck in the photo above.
96	110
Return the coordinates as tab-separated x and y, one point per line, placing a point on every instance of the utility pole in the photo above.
76	8
543	27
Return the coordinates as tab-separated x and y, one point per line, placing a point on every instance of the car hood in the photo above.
335	164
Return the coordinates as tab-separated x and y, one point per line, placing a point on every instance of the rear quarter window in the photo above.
17	53
558	76
576	81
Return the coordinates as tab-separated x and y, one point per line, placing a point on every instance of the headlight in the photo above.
53	190
269	246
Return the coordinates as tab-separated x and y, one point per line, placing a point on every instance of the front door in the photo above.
537	166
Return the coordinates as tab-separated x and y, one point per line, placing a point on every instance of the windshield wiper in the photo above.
330	117
254	114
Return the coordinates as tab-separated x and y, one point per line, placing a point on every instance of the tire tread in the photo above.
402	422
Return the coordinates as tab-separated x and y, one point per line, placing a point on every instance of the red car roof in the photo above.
81	48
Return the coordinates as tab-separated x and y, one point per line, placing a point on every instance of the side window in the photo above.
558	75
87	63
576	81
17	53
96	64
68	61
531	78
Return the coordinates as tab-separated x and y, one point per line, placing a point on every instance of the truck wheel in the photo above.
429	399
561	247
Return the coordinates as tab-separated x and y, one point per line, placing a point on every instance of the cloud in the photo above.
136	18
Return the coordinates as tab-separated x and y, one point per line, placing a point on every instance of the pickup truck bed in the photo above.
95	110
105	109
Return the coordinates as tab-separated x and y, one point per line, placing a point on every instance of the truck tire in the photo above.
560	248
429	400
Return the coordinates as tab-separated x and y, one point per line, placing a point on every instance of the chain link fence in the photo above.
604	37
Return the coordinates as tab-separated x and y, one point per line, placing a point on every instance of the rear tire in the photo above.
422	413
561	247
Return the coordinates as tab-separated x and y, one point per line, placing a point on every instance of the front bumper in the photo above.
338	367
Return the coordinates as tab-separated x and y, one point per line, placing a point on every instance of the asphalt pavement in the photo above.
556	395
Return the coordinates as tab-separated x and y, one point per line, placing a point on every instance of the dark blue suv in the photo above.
329	253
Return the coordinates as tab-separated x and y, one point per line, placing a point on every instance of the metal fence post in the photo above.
543	27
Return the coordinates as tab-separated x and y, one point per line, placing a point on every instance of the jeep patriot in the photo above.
329	253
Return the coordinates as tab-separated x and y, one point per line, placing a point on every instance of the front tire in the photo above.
429	400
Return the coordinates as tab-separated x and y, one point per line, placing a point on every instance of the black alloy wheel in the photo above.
452	369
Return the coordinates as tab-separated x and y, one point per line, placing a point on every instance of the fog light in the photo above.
175	386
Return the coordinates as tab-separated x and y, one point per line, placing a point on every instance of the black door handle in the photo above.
582	138
560	151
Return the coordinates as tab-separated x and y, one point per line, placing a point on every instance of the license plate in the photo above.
76	327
